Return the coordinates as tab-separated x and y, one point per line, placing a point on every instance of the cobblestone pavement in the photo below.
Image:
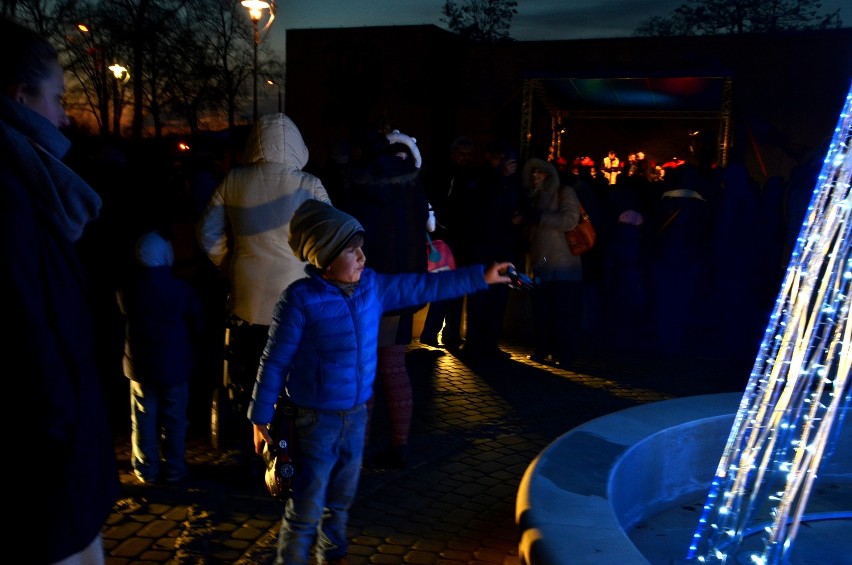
475	432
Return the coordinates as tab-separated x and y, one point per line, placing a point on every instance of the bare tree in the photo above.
8	8
187	59
147	24
68	23
38	14
719	17
229	40
480	20
131	33
191	75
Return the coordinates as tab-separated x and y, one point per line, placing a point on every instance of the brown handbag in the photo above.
582	237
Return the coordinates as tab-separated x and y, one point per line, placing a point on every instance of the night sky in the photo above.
535	20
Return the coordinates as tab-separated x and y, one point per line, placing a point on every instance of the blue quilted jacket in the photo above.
323	343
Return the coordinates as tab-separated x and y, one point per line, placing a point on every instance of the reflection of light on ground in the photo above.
615	388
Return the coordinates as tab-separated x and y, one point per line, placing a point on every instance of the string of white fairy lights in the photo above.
799	387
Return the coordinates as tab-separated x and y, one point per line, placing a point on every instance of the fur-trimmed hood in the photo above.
552	183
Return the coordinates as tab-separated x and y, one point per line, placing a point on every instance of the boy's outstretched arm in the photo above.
496	273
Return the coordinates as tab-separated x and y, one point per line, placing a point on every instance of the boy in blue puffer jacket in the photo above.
321	354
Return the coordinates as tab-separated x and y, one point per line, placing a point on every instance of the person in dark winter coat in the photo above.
164	318
495	230
64	459
322	356
386	193
678	258
450	187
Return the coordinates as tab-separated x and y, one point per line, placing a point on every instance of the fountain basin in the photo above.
582	495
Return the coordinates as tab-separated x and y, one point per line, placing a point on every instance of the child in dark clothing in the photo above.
321	354
163	317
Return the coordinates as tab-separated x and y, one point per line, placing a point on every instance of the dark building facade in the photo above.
780	95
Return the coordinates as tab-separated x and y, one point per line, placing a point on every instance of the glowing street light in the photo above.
122	75
271	82
255	9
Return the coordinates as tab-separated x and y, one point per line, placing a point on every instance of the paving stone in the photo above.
158	528
474	434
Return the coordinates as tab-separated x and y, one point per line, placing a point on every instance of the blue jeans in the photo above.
329	447
157	411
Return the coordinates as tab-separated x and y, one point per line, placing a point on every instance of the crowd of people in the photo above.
313	278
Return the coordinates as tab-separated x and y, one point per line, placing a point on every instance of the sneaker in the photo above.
429	342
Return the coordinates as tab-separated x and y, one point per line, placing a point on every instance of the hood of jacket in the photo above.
550	184
153	250
276	139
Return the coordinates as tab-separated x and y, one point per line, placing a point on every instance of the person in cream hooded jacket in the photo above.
244	231
245	226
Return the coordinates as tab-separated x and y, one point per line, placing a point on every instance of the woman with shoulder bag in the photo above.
553	209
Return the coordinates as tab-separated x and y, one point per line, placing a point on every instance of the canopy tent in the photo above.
662	97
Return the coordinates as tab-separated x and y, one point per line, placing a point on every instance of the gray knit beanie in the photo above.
319	232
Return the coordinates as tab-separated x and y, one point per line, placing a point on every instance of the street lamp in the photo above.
99	78
271	82
122	75
255	9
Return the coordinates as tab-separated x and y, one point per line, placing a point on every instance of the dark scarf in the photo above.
347	288
35	147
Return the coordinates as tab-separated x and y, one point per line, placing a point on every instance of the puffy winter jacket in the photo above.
556	208
245	227
323	343
163	316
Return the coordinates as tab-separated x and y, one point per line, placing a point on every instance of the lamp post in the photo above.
122	75
271	82
255	9
96	51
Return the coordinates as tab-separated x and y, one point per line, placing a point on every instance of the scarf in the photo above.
347	288
35	147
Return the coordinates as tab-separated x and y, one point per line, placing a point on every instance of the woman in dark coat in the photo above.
62	451
384	190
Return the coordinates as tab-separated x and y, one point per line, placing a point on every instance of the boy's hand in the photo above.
496	273
261	437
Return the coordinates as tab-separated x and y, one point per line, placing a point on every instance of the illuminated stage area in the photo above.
786	463
627	488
